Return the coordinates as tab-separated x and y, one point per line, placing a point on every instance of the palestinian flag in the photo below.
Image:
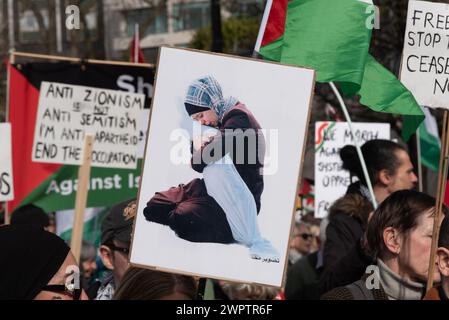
93	218
430	142
53	187
136	53
333	37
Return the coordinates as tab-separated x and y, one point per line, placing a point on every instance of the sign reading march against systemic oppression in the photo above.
53	186
331	181
425	62
67	112
6	187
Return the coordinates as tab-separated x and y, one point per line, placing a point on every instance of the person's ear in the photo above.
443	261
384	177
392	240
106	256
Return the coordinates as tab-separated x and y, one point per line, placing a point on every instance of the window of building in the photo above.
150	21
28	22
190	16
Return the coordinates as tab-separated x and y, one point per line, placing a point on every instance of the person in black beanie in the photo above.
31	215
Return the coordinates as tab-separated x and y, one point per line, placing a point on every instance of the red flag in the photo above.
272	26
137	55
24	98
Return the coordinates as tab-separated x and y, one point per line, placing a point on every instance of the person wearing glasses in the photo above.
37	265
300	243
114	250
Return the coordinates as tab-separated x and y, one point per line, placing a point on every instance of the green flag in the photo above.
329	36
381	91
333	37
430	142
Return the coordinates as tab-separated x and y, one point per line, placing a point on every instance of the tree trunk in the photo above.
100	51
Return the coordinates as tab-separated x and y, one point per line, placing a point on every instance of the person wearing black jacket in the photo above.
390	170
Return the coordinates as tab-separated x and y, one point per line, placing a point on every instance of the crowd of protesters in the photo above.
356	253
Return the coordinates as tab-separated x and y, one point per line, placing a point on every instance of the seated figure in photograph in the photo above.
223	207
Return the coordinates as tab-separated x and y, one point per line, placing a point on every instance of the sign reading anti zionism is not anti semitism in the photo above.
425	63
331	181
67	112
6	187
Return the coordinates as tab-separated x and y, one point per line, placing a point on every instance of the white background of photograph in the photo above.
279	97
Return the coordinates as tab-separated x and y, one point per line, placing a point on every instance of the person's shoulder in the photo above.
339	293
238	116
238	110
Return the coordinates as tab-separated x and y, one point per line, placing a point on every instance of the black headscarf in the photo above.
29	258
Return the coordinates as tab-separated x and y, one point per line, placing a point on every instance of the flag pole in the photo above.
419	164
81	197
442	177
136	43
263	26
357	146
8	86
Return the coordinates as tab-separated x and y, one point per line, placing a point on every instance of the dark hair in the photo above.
378	154
354	205
30	215
143	284
443	240
401	210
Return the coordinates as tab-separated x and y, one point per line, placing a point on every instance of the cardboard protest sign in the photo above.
6	181
331	181
53	186
226	214
67	112
425	61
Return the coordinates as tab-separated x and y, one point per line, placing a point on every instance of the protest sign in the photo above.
66	113
53	186
331	181
249	191
425	61
6	181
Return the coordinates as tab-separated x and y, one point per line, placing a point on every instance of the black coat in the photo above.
345	260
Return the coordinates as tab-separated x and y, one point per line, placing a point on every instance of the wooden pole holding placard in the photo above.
442	177
81	197
419	162
78	60
8	79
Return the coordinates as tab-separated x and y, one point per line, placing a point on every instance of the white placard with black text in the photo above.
67	112
425	61
331	181
6	182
